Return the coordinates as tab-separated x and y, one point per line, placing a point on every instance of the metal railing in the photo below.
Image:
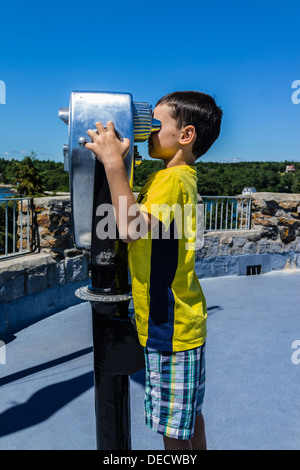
16	222
226	213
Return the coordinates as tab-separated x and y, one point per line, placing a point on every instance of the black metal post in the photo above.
117	352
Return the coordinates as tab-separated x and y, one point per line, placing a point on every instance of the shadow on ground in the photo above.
44	403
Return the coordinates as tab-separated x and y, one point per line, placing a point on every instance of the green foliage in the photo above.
36	176
215	179
27	179
54	177
229	179
226	179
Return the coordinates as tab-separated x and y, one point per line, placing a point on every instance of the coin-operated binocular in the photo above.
117	352
132	120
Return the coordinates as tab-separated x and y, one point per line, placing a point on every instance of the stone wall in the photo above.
53	218
273	242
278	217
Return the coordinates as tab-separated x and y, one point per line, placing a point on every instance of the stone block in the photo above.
269	232
76	268
43	220
56	273
289	205
36	279
238	241
202	253
287	234
289	222
281	213
224	250
12	285
263	207
254	236
236	250
226	240
275	248
213	246
263	247
290	246
266	220
250	248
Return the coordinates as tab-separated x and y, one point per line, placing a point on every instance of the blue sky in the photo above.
245	53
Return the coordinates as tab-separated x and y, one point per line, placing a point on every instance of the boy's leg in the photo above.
177	444
198	441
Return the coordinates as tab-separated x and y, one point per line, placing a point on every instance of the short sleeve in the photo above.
164	198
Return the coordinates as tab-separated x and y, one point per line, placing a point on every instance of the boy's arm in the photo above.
111	152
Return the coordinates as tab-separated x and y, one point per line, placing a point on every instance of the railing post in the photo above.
234	215
9	205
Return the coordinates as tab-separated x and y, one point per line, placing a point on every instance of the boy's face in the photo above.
165	143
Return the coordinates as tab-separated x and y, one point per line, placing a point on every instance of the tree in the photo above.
28	180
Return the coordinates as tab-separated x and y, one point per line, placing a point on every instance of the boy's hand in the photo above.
106	145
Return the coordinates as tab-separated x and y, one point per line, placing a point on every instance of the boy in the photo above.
170	308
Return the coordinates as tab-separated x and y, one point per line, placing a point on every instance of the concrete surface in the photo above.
253	375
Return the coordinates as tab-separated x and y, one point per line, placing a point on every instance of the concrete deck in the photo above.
252	394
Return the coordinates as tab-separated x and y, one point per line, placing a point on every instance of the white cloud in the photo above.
14	153
233	160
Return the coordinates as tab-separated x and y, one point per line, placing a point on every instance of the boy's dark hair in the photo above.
199	110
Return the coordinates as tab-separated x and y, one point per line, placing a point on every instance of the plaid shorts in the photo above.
174	390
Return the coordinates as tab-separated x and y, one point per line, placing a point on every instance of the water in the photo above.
6	193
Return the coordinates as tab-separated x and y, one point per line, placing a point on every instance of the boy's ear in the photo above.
188	135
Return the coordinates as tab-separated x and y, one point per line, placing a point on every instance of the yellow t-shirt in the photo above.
169	304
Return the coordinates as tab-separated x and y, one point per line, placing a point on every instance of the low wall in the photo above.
273	242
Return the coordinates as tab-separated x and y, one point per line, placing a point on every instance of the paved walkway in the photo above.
252	395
